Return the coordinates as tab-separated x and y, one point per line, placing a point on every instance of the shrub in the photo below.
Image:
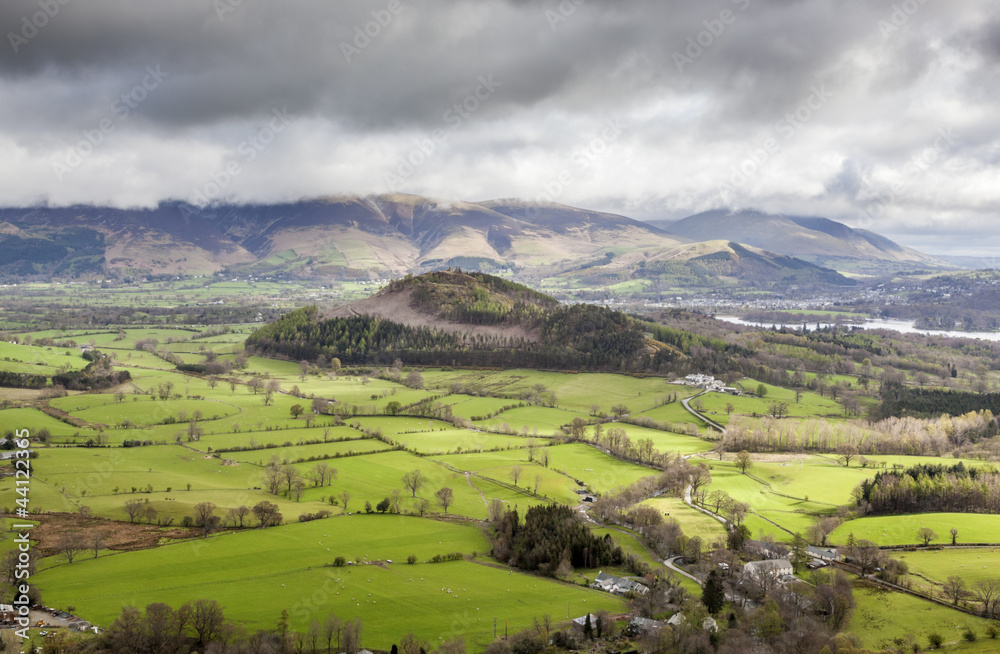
411	559
969	635
339	561
187	521
440	558
935	640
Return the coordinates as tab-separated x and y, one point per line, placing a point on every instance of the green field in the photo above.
933	567
818	478
902	529
317	451
809	405
665	441
535	419
34	420
600	472
693	522
37	360
881	616
498	466
789	513
256	574
470	407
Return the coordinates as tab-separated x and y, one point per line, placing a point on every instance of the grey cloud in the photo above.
563	67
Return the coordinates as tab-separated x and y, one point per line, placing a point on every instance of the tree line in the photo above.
899	400
967	434
931	487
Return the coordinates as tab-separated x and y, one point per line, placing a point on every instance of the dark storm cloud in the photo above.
515	91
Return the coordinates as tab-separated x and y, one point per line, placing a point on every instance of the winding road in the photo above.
687	500
670	564
708	421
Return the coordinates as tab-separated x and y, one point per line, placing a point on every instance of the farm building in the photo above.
644	626
821	553
774	567
617	585
760	548
708	624
709	383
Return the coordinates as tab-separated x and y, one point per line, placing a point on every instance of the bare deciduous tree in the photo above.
98	539
987	591
743	461
413	480
133	508
926	535
445	496
954	589
70	544
267	514
204	517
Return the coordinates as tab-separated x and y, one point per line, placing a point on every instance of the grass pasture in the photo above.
534	419
881	616
257	573
693	522
145	411
373	477
789	513
285	565
674	412
933	567
469	407
393	425
34	420
36	360
809	405
317	451
498	466
665	441
600	472
902	529
818	478
457	440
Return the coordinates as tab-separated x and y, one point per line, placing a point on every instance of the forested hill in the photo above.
438	319
471	298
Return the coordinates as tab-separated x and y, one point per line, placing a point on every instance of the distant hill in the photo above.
456	302
706	265
332	237
466	319
579	252
819	240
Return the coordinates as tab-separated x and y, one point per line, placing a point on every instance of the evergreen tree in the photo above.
799	555
713	596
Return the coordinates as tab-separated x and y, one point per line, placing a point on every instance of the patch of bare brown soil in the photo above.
120	536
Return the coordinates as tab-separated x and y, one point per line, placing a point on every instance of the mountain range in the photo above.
351	237
815	239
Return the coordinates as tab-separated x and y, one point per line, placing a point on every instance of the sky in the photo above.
879	114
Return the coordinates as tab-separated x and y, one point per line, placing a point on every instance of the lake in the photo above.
902	326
